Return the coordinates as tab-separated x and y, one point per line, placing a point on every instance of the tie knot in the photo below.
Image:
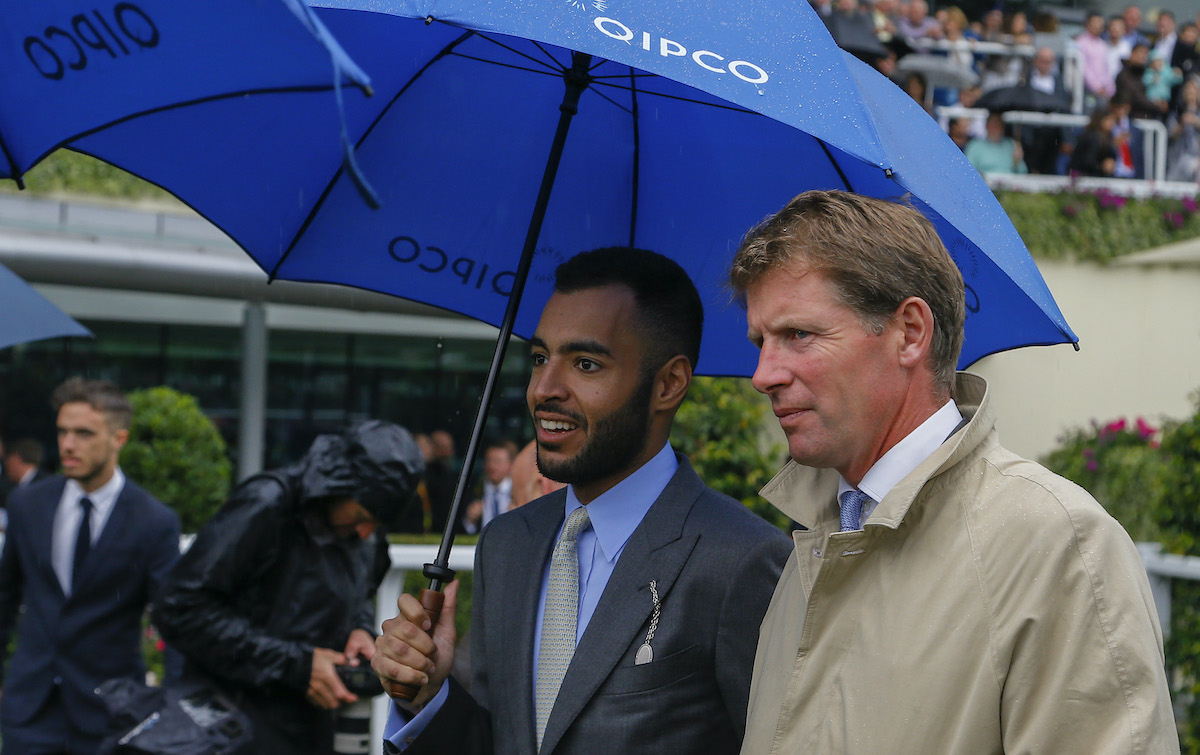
86	504
575	524
852	505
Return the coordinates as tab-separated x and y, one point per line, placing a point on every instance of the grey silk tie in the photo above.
560	618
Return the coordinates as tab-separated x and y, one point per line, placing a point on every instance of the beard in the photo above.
613	442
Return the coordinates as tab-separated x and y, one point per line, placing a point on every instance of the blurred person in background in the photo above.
1133	26
998	153
275	591
1098	75
23	462
1131	87
528	481
1183	131
916	23
496	496
85	552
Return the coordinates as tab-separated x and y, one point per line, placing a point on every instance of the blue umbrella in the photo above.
693	121
71	67
26	315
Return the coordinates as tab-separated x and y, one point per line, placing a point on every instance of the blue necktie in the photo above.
852	505
83	541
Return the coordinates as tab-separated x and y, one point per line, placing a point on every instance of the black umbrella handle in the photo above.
431	601
577	79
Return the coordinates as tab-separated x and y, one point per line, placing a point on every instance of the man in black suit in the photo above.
23	462
85	553
656	644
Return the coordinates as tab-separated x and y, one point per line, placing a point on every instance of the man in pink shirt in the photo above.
1097	76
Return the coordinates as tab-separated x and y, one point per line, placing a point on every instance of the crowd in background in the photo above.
968	71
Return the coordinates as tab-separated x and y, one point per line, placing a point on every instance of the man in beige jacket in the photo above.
977	603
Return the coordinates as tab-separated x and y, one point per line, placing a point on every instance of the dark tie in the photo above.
83	542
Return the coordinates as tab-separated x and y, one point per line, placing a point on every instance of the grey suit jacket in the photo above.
716	565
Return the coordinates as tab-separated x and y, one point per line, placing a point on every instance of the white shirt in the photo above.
905	456
66	522
1047	83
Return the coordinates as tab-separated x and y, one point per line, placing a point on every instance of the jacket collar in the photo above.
809	495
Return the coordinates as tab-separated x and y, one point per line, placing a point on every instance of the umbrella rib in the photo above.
678	98
553	65
834	163
514	66
610	100
637	157
312	213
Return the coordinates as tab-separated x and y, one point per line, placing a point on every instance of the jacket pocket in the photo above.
658	673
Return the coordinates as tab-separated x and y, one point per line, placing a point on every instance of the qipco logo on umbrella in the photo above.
669	48
65	47
469	272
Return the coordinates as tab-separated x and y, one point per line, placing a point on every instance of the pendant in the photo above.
645	654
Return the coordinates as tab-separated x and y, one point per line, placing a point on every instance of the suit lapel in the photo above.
521	590
657	550
43	534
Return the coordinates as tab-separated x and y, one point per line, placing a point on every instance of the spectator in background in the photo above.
441	479
1159	78
1098	79
528	481
85	553
1093	153
1131	87
1125	139
1133	26
1183	129
1118	49
915	86
959	132
997	153
1164	43
884	18
23	461
917	23
1043	144
1186	58
497	488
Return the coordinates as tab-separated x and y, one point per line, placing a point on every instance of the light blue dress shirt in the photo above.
614	515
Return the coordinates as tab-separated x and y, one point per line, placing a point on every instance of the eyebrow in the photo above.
572	347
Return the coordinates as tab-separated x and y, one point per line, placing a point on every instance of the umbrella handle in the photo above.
431	601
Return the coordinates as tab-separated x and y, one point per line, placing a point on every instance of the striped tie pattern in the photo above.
560	619
852	505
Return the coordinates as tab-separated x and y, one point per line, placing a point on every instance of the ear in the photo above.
915	319
671	384
120	436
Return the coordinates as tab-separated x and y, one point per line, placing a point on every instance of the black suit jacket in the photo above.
74	643
716	565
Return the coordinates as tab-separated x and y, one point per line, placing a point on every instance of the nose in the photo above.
365	529
546	384
770	374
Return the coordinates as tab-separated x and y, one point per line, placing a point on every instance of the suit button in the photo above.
58	681
817	552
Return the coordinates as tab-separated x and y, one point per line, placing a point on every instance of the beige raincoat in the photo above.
988	606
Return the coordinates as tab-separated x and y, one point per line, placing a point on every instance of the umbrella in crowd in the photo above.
503	139
73	67
855	33
938	70
1025	97
26	315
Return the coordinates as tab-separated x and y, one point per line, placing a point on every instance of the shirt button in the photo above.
817	552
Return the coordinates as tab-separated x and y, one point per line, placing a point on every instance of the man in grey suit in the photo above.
673	578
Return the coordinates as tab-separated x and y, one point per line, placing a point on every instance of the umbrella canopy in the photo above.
1025	97
457	138
72	67
25	315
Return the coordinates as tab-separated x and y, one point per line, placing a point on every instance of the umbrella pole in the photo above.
439	572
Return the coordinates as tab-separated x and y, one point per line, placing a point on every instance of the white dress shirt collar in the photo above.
68	515
905	456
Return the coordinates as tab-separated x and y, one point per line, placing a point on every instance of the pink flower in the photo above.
1145	429
1190	205
1092	466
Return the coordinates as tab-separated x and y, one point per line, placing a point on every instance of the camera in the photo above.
360	680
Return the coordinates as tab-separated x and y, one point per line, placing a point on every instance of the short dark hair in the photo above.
669	306
102	395
27	450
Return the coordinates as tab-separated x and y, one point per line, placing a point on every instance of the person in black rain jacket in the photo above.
276	589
